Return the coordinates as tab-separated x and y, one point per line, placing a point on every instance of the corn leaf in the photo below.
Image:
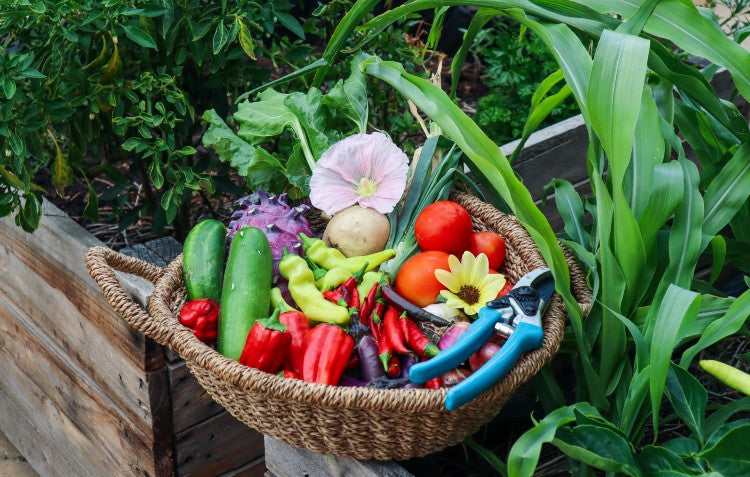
678	310
727	192
720	328
478	21
682	24
648	151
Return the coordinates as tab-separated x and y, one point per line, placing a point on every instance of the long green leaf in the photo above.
719	329
478	21
724	412
499	466
343	33
666	195
682	24
727	192
524	454
570	207
648	151
678	310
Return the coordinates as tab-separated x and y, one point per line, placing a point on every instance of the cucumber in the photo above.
203	259
246	291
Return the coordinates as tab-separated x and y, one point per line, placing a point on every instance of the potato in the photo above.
357	231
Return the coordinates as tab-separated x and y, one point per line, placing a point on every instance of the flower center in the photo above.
366	187
469	294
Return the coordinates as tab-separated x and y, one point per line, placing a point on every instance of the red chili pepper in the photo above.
394	367
385	350
326	353
298	326
288	374
353	362
376	326
416	339
202	317
368	303
392	330
434	383
348	289
267	344
334	296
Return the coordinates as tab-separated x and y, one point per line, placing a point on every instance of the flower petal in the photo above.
448	280
330	192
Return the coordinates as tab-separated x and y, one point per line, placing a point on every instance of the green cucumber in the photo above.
203	259
246	291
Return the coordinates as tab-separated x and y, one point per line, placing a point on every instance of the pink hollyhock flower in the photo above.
364	169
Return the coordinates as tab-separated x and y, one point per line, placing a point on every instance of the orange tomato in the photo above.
490	244
416	280
444	226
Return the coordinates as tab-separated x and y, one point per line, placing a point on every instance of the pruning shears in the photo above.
517	316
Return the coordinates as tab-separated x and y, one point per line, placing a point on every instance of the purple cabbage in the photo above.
281	222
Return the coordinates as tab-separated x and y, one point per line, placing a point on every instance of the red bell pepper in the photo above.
434	383
202	317
298	325
416	339
325	354
392	329
267	344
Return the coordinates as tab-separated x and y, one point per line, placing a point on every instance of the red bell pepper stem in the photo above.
267	344
394	367
298	326
416	339
392	330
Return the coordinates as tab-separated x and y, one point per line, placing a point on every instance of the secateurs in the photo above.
517	316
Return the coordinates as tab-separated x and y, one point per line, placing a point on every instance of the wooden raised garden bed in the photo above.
81	393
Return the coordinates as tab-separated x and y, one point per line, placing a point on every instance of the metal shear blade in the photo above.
517	315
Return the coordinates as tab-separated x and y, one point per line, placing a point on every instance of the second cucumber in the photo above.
203	259
246	290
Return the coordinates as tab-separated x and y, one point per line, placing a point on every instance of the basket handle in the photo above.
102	263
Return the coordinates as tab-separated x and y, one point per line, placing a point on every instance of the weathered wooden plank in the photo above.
56	260
190	402
256	468
74	315
81	428
283	460
216	446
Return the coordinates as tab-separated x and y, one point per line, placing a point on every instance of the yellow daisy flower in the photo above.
470	285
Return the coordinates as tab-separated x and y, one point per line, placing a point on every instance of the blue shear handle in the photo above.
525	337
478	333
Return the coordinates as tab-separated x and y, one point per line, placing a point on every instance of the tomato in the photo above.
416	280
490	244
444	226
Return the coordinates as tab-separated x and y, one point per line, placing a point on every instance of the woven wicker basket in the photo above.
359	422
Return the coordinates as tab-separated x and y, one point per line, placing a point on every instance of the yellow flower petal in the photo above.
448	280
481	269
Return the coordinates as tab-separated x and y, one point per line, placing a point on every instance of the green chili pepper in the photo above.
277	301
333	278
306	294
727	374
328	257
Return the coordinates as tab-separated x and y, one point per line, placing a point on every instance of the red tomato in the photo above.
490	244
416	280
444	226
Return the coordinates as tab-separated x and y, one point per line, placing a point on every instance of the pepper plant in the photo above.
109	89
653	213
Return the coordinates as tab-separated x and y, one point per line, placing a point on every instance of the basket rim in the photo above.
248	379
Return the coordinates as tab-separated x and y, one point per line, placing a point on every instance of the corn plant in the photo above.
653	215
